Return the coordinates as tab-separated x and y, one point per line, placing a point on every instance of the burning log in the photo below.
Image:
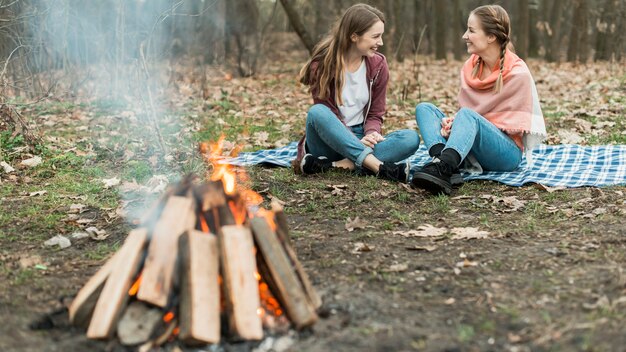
284	279
115	292
200	302
240	284
82	306
178	216
138	323
171	279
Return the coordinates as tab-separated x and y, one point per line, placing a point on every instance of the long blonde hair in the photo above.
495	21
329	52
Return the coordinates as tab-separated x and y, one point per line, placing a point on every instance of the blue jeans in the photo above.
327	136
492	148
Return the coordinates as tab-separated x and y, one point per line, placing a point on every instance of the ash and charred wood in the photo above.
115	292
199	289
288	287
177	217
138	323
209	195
83	305
241	288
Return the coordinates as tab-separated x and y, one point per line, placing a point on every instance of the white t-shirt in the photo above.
355	95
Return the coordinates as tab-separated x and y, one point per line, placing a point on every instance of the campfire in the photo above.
207	262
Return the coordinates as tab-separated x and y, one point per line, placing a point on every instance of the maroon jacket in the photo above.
377	75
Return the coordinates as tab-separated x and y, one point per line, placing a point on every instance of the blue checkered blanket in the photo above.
566	165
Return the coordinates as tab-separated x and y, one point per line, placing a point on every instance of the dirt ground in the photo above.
490	268
547	277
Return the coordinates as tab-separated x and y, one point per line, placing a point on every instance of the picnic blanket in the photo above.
565	165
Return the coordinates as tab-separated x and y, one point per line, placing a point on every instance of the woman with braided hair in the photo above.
499	117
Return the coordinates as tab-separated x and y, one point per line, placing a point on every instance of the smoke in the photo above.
119	54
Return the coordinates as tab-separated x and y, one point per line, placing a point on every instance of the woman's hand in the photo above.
446	126
372	139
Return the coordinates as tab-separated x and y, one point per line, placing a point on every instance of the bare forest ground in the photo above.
490	268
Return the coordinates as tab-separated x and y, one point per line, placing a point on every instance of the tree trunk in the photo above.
323	19
552	54
578	27
523	29
533	34
458	28
441	31
297	24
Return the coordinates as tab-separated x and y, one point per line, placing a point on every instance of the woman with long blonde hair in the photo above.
348	79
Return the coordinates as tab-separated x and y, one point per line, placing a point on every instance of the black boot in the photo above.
394	172
312	165
435	151
435	177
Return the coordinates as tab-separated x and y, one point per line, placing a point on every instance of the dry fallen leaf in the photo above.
355	223
58	240
361	247
6	167
32	162
425	230
110	182
466	263
468	233
77	208
96	234
397	268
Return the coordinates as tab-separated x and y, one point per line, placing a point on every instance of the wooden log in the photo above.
288	288
199	290
282	230
81	308
241	288
314	298
178	216
115	292
152	215
138	323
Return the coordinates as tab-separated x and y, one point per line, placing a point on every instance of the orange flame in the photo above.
135	287
169	316
238	213
269	304
203	225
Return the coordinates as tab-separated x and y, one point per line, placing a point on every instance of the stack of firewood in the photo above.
201	256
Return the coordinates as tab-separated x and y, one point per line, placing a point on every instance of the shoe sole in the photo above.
456	180
431	183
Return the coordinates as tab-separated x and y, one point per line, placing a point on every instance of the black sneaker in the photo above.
456	180
363	171
435	177
394	172
313	165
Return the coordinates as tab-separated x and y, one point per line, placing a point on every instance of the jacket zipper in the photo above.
369	103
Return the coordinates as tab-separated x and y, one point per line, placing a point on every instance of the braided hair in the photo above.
495	21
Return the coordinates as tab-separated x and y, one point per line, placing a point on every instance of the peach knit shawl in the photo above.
515	109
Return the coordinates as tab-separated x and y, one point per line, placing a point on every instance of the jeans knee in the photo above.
318	110
413	137
466	113
424	108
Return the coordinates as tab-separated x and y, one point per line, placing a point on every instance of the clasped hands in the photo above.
372	139
446	126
